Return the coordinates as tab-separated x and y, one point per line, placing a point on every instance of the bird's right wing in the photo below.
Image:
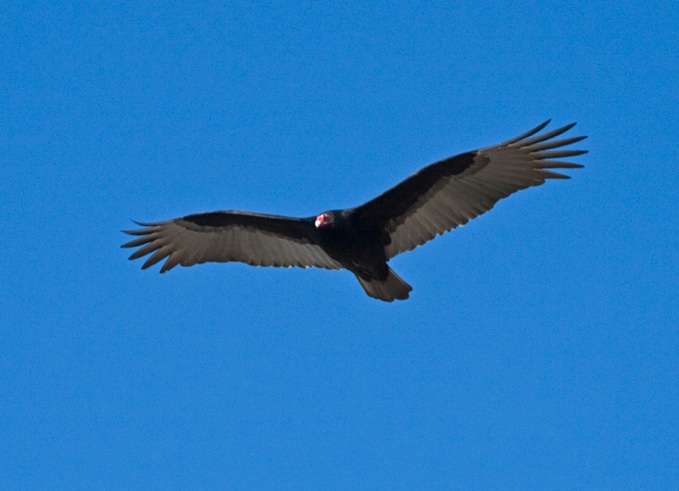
449	193
223	236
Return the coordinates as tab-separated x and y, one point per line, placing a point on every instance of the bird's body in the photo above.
358	245
434	200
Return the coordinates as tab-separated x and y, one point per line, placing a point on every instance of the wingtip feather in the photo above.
527	134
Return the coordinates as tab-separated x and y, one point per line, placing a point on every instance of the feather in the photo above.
259	240
469	185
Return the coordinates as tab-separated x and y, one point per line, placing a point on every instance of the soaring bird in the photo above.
434	200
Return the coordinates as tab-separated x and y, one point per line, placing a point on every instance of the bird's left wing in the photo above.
449	193
223	236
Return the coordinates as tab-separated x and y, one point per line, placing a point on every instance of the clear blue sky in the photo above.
539	348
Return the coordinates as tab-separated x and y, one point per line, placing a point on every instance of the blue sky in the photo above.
538	348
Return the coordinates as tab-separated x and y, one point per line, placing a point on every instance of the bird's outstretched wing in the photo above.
451	192
259	240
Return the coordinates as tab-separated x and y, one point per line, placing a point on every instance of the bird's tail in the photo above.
393	288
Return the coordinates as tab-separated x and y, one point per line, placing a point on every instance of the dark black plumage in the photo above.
434	200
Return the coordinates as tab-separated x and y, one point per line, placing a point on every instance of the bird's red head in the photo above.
324	219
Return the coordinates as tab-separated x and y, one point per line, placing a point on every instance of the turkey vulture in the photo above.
434	200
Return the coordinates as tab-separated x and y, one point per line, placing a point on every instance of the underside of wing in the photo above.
224	236
451	192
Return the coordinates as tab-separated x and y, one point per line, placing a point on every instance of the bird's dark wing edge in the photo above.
224	236
449	193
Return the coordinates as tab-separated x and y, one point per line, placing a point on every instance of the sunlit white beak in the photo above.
323	219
